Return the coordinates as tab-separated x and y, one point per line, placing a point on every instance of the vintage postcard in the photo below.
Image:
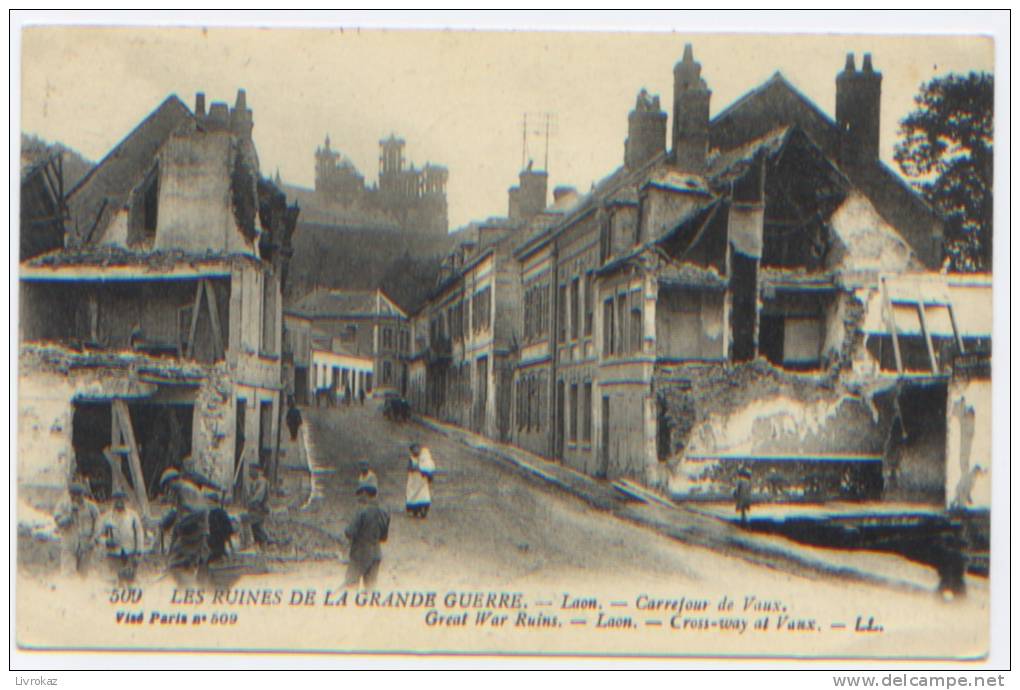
505	343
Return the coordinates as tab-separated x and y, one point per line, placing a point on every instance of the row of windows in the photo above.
531	402
481	310
536	312
389	342
571	316
622	327
341	379
452	324
580	412
532	407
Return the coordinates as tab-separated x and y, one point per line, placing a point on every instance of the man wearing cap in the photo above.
122	533
188	521
77	520
369	528
420	469
257	504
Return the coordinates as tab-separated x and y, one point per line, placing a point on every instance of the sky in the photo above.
457	97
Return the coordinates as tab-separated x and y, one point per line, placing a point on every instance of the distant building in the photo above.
354	323
410	198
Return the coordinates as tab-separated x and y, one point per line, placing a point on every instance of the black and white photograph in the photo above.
354	340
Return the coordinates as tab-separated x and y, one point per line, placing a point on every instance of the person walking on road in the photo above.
369	528
742	494
420	470
293	420
366	475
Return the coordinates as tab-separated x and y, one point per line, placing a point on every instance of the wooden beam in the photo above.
122	417
892	327
118	476
927	336
214	317
956	329
189	349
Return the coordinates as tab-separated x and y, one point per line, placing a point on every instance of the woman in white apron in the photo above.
420	468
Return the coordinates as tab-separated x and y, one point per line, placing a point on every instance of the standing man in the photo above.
124	538
369	528
257	504
420	470
361	396
742	493
77	520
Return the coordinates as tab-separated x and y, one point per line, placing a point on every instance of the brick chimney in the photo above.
200	105
690	114
646	131
858	102
528	198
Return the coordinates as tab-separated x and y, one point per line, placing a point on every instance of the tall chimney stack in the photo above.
690	114
646	131
200	104
858	106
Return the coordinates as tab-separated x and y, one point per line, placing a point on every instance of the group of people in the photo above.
82	527
369	527
327	396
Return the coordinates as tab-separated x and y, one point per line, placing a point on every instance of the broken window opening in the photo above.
791	330
664	433
162	433
689	324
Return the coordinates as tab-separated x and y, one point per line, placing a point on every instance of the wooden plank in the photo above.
214	316
956	329
189	347
927	336
237	470
892	327
118	476
123	418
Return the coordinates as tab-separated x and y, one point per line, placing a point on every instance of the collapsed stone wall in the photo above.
756	410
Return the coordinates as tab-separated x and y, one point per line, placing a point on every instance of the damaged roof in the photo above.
325	303
107	186
113	262
776	104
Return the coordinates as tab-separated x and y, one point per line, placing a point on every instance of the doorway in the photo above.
603	470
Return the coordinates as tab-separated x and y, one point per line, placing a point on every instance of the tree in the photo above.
947	147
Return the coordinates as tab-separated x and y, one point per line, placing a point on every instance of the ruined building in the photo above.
153	335
410	198
758	292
